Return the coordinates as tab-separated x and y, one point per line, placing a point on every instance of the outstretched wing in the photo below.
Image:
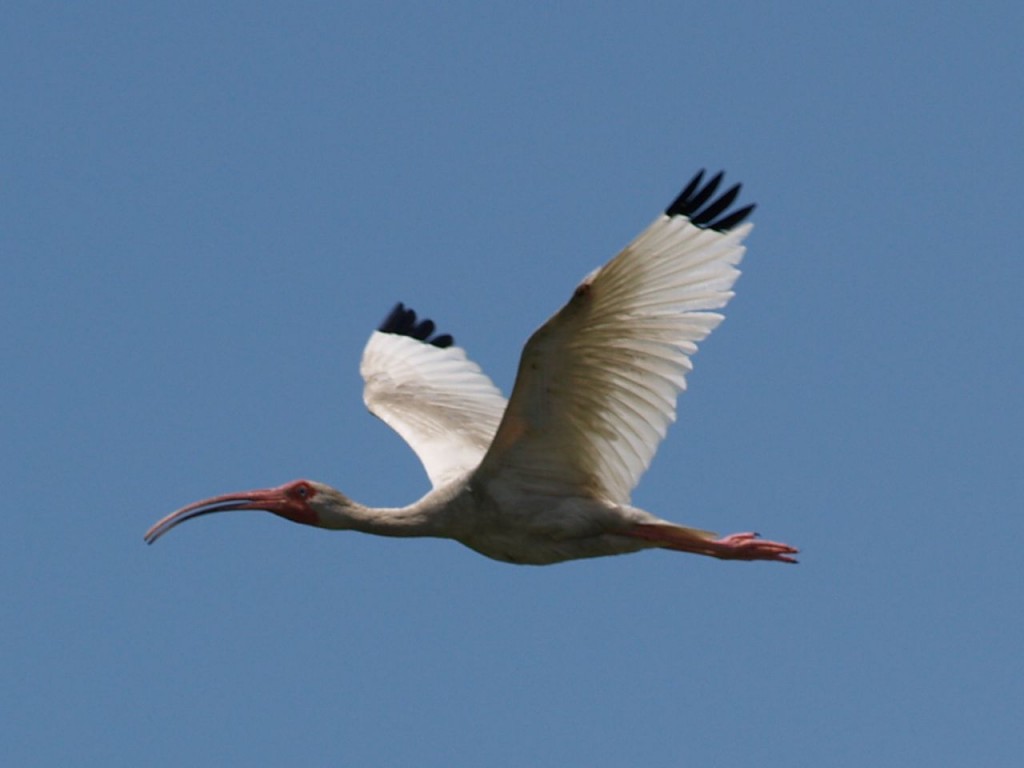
597	383
431	394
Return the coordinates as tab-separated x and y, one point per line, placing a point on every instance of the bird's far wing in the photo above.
431	394
597	383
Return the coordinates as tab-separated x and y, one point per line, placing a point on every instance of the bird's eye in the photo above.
302	490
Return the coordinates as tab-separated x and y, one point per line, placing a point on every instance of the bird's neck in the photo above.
422	518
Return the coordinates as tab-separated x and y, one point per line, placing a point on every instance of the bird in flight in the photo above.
546	476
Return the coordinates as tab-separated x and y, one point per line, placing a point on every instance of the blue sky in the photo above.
206	208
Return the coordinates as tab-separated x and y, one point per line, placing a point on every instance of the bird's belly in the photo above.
522	550
542	531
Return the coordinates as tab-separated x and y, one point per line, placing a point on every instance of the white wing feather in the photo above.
438	400
597	384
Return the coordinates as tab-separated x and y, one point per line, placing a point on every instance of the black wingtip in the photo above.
402	322
691	204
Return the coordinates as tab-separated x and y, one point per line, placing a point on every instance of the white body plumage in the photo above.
547	475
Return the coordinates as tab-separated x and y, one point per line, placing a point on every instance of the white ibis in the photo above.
547	475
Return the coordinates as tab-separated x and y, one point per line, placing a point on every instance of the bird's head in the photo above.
301	501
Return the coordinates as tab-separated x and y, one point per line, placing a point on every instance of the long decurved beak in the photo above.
270	500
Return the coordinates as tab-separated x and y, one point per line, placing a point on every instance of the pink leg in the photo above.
737	546
747	546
